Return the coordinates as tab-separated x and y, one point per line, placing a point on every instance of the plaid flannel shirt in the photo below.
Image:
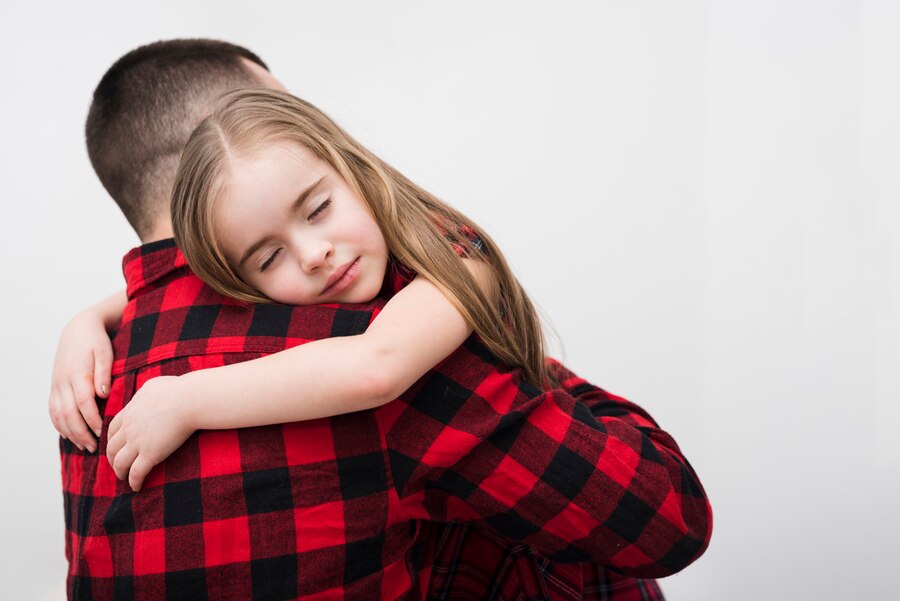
474	563
468	562
335	508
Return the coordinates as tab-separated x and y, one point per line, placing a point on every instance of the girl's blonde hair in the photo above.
419	229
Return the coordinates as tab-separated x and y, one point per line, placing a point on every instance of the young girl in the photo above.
274	202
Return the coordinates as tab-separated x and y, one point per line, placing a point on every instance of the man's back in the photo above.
254	511
332	507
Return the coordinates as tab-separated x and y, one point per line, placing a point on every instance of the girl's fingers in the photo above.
114	442
122	461
75	420
139	470
102	369
69	416
53	410
114	426
87	405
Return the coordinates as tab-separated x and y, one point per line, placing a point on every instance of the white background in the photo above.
702	195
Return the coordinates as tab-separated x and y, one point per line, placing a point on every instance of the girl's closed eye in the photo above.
268	261
318	210
316	213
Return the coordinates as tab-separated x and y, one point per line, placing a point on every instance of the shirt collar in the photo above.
147	264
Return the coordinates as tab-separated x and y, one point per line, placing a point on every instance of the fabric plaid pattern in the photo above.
474	563
468	562
334	509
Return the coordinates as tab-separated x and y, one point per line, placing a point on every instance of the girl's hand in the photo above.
81	370
150	427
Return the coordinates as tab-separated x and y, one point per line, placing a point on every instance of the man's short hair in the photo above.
145	108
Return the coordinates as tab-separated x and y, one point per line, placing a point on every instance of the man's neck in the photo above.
160	231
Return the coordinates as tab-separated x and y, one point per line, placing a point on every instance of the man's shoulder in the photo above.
181	316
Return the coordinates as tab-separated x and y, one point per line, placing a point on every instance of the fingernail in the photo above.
97	432
91	448
103	388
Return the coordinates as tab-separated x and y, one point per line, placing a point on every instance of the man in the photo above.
346	507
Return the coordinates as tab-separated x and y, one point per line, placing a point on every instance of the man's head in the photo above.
145	108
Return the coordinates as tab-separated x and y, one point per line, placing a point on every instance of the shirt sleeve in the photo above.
575	472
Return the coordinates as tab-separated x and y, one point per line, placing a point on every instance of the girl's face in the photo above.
295	230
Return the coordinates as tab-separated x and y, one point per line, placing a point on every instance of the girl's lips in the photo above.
342	277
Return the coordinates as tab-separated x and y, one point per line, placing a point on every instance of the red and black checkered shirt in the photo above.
474	563
336	508
468	562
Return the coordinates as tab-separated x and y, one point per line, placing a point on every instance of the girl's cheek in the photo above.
285	294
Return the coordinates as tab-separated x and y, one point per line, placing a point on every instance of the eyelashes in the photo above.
318	211
268	262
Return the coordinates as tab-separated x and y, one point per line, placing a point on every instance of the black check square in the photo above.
268	490
568	472
512	525
81	587
649	452
362	475
186	585
142	331
630	517
441	398
274	578
570	554
182	503
402	468
270	320
363	558
199	322
84	507
123	587
455	484
508	430
584	415
119	518
349	323
686	547
477	348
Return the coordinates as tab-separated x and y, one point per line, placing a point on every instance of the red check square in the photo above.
220	453
100	564
149	551
308	442
319	526
509	482
226	541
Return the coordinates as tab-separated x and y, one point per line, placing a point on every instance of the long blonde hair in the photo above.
419	229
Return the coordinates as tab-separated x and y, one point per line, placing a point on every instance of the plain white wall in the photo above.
701	195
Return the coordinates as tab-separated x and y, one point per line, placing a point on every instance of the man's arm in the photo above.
576	473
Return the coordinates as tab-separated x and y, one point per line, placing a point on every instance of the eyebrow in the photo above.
295	206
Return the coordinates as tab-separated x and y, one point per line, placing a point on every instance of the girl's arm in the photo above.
415	330
81	370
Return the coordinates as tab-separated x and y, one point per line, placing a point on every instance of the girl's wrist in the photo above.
191	401
90	317
95	316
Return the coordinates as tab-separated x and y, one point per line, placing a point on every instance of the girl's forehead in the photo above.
290	153
266	179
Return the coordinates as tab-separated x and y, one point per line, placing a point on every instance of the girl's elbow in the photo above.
380	383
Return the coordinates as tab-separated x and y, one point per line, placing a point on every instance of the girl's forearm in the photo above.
330	377
110	309
417	329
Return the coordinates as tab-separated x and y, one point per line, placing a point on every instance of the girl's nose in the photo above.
313	254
